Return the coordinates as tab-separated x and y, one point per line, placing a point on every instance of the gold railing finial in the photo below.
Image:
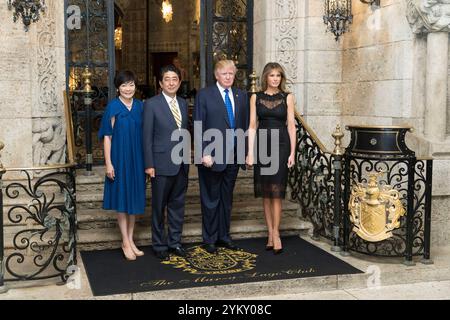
338	135
87	74
253	77
2	145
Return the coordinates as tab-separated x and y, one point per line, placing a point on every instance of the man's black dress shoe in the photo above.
178	251
210	248
163	255
229	245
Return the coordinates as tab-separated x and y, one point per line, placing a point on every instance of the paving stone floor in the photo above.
384	279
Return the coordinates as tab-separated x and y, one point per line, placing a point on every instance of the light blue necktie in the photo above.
229	106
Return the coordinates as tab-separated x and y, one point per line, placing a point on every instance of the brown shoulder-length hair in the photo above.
267	70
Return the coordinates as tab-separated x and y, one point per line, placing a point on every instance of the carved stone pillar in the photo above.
436	86
433	18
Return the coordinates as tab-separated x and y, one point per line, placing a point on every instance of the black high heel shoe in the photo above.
278	251
269	247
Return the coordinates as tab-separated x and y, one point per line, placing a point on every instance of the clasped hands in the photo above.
250	161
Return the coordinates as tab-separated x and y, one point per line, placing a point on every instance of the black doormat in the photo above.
109	273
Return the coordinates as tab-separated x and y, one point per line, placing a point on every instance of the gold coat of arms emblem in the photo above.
375	211
198	261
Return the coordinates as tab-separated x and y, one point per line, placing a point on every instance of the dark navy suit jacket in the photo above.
158	126
210	110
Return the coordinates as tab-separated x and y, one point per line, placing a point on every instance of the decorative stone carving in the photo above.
49	141
427	16
286	37
46	62
48	127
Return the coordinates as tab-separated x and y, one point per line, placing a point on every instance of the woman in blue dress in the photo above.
121	131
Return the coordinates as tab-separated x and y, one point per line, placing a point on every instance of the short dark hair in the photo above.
124	76
169	68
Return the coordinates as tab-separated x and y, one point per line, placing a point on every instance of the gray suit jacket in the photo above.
158	126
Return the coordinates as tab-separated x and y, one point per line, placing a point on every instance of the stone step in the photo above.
244	210
103	239
242	186
98	176
107	238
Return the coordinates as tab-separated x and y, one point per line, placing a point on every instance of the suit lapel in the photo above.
236	107
221	104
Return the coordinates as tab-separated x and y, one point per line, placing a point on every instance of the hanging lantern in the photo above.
338	16
118	38
167	11
28	10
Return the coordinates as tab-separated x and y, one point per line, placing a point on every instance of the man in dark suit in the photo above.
164	114
224	109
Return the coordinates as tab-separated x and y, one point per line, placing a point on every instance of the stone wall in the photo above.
33	69
292	32
448	94
377	67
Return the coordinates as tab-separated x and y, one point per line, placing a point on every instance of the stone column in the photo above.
436	86
433	19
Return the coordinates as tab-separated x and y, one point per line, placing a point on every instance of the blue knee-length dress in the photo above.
126	193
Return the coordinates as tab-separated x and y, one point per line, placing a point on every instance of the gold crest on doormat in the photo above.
199	261
375	212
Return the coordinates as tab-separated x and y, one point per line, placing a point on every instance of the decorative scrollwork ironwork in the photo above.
44	240
231	36
397	177
89	46
312	183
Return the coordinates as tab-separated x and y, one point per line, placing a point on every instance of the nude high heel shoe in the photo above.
137	252
129	256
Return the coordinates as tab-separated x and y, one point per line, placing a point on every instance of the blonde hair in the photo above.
222	64
265	74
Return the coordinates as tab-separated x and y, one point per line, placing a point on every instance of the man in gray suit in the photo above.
163	115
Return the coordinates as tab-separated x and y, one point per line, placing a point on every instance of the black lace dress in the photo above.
270	177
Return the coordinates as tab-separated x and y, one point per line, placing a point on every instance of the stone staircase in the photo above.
97	228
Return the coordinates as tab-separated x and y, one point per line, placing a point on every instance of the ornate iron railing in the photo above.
312	181
38	226
321	183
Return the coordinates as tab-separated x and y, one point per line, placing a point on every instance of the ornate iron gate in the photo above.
89	42
229	34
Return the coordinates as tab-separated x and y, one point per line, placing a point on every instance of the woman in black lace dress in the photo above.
272	122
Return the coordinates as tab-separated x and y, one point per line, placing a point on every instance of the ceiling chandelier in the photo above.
167	11
338	15
28	10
